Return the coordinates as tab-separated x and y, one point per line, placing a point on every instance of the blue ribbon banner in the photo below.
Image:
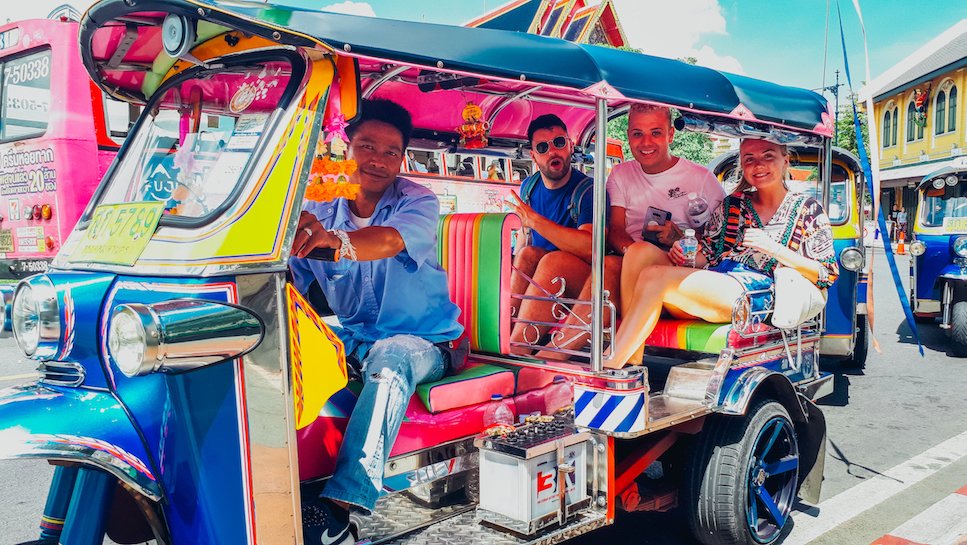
868	173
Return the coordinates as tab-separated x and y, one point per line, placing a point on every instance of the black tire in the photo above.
862	346
958	328
728	469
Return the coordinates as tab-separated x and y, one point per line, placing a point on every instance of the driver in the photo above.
391	298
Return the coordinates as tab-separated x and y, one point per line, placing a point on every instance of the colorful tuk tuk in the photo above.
845	328
938	264
189	392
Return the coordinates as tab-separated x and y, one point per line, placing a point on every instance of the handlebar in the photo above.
322	254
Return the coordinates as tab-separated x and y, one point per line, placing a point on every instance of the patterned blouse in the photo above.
800	223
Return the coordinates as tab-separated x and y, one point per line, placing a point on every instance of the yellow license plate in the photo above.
956	225
118	233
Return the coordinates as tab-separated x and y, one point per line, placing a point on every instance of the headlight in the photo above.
917	248
35	318
852	259
960	246
951	180
179	335
127	340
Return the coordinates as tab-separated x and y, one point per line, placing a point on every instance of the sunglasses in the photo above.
559	143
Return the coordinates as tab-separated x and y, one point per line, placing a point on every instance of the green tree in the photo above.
846	131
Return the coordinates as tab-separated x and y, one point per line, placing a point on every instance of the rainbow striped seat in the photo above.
702	336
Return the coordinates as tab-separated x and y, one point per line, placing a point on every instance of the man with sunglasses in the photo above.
555	206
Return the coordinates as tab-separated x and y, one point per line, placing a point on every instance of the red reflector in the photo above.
49	240
37	212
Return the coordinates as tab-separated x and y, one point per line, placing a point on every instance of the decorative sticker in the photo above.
118	233
248	93
6	240
318	359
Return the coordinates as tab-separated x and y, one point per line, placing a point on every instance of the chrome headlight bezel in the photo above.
37	329
960	246
917	248
852	259
134	352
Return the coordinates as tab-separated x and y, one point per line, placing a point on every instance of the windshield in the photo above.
944	206
191	149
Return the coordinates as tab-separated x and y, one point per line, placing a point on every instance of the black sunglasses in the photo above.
559	143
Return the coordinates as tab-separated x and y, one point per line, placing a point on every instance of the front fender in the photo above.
953	272
85	426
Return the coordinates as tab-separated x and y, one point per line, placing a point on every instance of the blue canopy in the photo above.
583	72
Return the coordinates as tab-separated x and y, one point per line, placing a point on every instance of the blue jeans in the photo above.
391	371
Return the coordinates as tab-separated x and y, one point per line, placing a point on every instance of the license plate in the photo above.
958	225
118	233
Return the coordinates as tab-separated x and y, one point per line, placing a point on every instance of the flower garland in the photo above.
330	172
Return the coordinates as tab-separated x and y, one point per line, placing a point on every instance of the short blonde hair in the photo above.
639	108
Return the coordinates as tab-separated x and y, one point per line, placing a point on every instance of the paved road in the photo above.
897	452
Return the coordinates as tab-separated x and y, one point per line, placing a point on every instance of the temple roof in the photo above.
580	21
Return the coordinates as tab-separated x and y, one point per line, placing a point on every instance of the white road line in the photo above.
18	377
856	500
944	523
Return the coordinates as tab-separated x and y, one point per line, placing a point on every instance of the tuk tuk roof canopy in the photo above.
958	170
550	71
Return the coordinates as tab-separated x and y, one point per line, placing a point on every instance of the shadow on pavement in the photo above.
932	337
841	381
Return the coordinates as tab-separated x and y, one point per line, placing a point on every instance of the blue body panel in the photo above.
733	387
191	424
932	264
842	296
80	296
39	421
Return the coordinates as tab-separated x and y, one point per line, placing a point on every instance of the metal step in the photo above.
465	528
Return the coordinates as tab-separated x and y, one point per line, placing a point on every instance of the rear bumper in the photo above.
77	425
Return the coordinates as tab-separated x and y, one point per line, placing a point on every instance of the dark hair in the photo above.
385	111
546	121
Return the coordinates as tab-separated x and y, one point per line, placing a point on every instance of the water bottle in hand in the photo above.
697	210
497	412
689	245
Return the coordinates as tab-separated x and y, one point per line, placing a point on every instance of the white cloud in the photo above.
676	29
352	8
37	9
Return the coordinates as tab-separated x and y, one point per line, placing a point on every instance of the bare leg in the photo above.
526	262
639	256
704	294
572	339
554	268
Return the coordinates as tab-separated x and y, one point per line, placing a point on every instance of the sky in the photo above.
777	40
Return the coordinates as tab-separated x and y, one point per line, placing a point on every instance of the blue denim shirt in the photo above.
403	294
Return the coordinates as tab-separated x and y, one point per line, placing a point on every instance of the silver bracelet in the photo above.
346	249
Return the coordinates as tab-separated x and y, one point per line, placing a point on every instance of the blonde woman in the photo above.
760	226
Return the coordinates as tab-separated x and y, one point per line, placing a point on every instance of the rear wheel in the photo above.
958	328
741	484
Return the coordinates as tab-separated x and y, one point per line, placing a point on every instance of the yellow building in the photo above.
920	113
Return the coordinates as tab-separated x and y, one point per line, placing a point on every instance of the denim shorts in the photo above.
751	280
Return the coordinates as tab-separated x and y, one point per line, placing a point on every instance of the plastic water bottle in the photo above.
698	211
497	412
558	395
689	247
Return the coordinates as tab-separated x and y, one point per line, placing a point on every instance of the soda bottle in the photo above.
558	395
497	412
689	246
697	210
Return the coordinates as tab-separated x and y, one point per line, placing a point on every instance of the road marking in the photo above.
943	523
846	505
18	377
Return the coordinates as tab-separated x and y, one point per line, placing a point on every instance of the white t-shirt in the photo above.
630	188
360	222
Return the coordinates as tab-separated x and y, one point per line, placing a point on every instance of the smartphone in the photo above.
658	216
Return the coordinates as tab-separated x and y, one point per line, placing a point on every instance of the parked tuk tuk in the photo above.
938	263
189	393
845	328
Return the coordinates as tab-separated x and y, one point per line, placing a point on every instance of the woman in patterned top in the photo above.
760	226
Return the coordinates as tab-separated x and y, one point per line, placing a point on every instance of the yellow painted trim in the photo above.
263	24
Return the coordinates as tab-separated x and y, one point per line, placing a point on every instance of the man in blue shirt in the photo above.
556	206
390	295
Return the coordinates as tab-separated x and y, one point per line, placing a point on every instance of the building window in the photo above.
952	114
939	121
896	124
887	128
915	123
